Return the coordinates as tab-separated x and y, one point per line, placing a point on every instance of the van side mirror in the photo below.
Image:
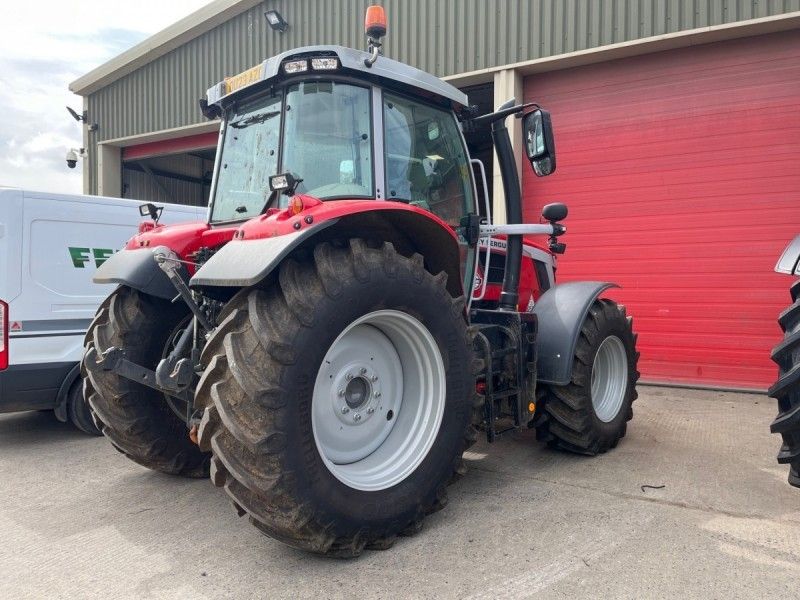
540	146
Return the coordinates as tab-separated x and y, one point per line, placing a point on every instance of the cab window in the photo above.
425	160
327	139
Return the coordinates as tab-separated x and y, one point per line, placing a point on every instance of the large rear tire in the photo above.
137	419
589	415
338	401
786	389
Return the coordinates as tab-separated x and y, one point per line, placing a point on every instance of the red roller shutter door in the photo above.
681	170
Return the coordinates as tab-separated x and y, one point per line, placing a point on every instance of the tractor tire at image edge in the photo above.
786	390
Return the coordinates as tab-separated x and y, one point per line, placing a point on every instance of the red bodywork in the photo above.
303	212
529	285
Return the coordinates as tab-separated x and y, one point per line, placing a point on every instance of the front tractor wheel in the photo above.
338	402
589	415
139	421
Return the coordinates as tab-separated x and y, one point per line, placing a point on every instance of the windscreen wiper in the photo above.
242	123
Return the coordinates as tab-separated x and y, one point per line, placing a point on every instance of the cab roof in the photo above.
384	71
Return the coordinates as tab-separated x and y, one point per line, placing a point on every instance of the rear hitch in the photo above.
169	262
114	360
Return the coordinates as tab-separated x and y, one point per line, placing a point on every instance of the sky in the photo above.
44	46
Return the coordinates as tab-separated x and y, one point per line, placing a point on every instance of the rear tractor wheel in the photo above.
338	402
787	389
589	415
140	422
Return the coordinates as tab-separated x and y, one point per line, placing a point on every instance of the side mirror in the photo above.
537	130
151	210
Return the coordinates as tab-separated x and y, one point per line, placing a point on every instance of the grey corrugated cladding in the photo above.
443	37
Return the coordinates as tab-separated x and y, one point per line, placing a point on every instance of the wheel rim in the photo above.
609	378
378	400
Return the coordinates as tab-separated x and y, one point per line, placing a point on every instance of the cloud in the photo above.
45	46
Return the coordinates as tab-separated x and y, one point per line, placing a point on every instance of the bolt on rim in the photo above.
609	378
378	400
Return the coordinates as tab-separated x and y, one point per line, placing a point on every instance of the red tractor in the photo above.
330	342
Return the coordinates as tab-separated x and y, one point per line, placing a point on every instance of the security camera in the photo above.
72	156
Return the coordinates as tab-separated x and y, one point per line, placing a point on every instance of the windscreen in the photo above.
249	157
320	131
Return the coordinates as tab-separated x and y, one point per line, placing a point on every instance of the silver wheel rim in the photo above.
609	378
378	400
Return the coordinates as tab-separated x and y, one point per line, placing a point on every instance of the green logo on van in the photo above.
81	256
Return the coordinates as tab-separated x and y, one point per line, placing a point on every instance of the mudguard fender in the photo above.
139	270
63	391
561	311
246	263
243	264
789	261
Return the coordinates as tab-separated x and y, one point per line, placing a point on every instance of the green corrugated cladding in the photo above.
444	37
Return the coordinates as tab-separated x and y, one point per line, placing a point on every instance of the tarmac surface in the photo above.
79	520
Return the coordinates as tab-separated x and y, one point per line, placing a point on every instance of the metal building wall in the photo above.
444	37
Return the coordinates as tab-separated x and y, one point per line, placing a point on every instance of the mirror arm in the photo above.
509	108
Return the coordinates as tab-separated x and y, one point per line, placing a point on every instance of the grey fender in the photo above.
560	312
245	263
789	261
139	270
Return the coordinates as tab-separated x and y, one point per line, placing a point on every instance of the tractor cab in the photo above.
340	128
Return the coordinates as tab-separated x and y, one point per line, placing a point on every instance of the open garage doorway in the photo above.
175	170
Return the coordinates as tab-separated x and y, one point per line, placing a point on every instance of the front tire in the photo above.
290	367
589	415
786	389
137	419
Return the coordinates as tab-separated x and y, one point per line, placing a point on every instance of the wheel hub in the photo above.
609	378
378	399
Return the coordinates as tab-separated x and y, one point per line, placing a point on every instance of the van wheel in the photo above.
137	419
78	410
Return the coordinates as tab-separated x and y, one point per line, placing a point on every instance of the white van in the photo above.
50	246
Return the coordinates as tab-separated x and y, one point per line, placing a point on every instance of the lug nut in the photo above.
356	417
341	393
374	378
349	376
371	410
363	371
377	394
345	410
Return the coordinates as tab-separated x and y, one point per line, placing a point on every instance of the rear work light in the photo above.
324	64
295	66
3	335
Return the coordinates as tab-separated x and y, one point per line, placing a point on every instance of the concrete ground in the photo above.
78	520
